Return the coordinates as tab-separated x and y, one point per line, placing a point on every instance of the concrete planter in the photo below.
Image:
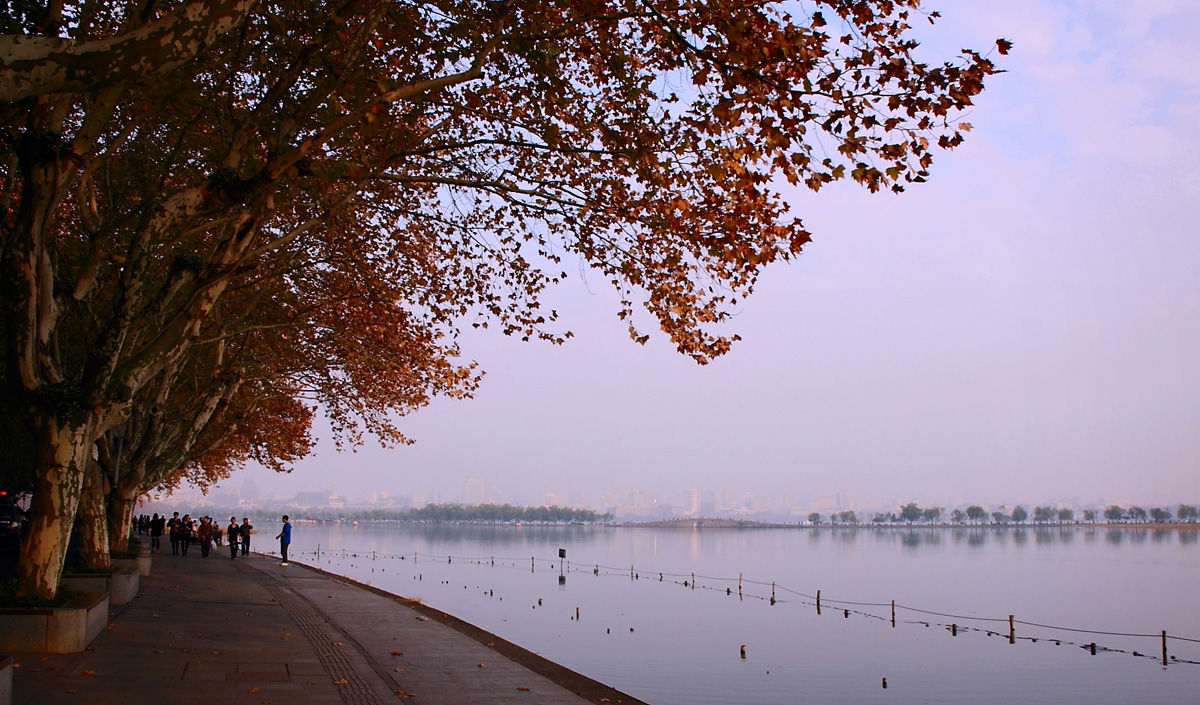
121	586
59	630
142	562
6	668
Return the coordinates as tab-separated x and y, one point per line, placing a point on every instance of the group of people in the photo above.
184	531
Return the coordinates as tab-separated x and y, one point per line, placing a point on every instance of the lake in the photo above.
646	628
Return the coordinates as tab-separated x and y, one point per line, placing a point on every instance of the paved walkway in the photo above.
251	631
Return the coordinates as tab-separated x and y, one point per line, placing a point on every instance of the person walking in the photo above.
285	538
187	530
157	524
205	532
175	529
246	530
233	531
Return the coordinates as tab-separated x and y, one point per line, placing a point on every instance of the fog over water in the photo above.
1023	328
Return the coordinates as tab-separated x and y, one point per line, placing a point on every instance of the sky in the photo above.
1023	328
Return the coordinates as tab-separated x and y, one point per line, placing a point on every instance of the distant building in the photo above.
689	502
475	491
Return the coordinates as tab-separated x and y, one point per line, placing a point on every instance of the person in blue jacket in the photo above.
285	538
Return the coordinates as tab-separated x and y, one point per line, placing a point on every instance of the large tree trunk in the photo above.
91	523
64	451
120	511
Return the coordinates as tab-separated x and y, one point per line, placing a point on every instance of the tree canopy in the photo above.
301	203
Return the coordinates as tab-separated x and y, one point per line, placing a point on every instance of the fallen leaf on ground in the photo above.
521	687
398	670
159	651
341	681
72	691
396	653
87	673
337	643
481	665
253	690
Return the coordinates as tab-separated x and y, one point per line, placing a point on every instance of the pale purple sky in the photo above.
1025	327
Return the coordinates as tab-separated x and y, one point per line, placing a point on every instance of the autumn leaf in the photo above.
1003	45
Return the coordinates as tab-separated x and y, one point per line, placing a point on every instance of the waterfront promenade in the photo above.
216	630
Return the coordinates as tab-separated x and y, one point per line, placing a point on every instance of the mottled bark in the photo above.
64	450
38	65
120	517
91	521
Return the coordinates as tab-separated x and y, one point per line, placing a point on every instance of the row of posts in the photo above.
1012	621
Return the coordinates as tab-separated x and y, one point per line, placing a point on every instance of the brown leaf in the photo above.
1003	45
253	690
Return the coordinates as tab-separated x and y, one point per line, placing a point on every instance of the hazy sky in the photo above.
1024	327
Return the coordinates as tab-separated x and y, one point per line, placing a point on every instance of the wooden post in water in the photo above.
893	614
531	564
693	580
1164	642
1012	630
631	572
318	553
740	576
818	602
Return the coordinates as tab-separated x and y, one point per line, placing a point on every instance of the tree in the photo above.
1160	515
976	513
1187	512
1114	513
1041	515
1066	515
910	512
999	517
1137	514
1019	514
957	516
814	518
848	517
467	146
1089	515
931	514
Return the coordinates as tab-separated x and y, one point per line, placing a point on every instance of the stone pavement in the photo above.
220	631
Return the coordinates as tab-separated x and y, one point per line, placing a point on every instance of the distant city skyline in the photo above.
1026	325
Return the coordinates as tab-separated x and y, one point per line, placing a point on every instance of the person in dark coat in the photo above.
246	530
233	531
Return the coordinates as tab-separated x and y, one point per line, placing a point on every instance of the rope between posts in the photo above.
832	602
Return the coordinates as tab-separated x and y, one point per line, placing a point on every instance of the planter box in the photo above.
59	630
121	586
142	563
6	668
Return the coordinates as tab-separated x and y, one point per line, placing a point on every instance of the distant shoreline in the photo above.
748	524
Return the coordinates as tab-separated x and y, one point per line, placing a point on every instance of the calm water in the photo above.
674	645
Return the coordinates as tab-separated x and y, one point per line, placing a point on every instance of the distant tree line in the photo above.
483	513
911	513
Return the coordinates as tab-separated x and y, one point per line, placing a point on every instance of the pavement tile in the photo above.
250	631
